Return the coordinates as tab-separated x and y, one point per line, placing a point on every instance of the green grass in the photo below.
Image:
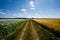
17	32
8	31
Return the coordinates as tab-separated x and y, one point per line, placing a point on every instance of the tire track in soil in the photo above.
24	31
34	32
19	33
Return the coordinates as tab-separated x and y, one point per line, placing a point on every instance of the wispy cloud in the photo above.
32	8
2	13
31	3
23	10
58	13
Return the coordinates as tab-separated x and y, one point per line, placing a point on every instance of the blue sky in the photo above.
30	8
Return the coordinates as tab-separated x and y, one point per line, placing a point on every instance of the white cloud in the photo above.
2	13
57	13
32	8
23	10
31	3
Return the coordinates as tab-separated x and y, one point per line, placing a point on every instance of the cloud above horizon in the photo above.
2	13
30	8
23	10
32	5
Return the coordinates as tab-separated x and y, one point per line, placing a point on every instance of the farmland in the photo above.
28	29
9	27
51	24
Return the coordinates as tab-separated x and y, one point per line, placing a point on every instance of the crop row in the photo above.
7	30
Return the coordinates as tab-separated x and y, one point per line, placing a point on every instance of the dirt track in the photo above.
31	32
